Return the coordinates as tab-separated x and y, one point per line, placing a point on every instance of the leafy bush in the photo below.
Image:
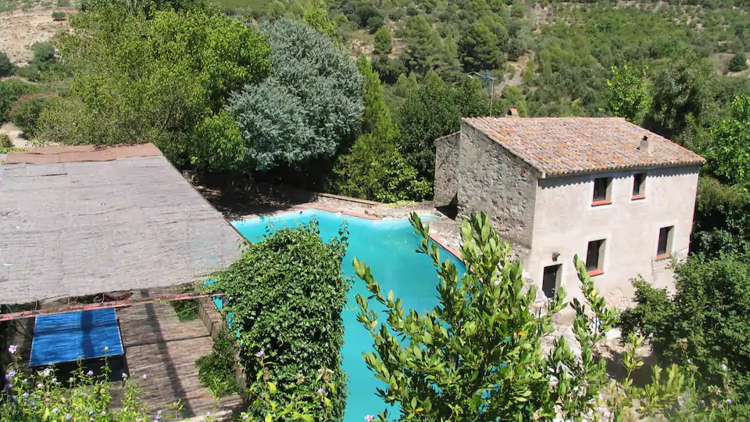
36	396
58	16
217	369
722	219
164	75
26	111
432	110
10	91
706	323
374	23
738	62
375	170
5	142
6	67
286	294
726	147
383	42
44	52
307	107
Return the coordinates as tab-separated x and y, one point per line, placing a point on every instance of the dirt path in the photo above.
14	134
20	29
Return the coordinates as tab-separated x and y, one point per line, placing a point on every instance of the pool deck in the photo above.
163	348
158	344
261	199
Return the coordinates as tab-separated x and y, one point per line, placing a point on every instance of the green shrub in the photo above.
26	111
63	3
397	14
44	52
286	294
5	142
10	91
374	23
6	67
35	396
58	16
738	62
217	369
383	43
706	323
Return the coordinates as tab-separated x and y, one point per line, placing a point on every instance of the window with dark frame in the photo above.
664	248
639	185
602	190
595	257
551	280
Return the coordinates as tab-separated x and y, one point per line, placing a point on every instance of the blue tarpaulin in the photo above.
68	337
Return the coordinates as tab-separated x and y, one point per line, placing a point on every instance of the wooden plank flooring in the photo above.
164	348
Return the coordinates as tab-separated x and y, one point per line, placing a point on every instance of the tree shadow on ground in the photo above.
237	198
616	370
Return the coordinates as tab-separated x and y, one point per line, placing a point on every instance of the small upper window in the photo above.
595	257
664	248
602	191
639	186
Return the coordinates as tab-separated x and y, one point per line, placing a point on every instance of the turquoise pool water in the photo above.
388	247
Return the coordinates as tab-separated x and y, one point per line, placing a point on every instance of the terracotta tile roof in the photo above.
557	146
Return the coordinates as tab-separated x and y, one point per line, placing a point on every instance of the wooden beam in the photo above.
104	305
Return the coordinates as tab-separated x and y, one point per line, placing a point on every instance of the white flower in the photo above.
553	381
723	367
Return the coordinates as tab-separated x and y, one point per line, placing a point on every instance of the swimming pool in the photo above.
388	247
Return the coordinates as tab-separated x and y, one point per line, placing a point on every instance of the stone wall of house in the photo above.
566	221
446	169
493	180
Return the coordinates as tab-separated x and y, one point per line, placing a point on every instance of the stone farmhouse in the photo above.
620	197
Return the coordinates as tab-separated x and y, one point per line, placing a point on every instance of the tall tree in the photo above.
683	98
434	109
152	80
383	43
425	48
479	48
628	93
727	149
374	168
309	105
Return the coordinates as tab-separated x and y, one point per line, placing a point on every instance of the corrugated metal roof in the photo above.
557	146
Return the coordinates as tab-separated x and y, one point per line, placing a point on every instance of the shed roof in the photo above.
558	146
84	220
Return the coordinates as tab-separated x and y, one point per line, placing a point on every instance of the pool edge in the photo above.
435	238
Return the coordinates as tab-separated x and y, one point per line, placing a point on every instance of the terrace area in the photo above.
86	227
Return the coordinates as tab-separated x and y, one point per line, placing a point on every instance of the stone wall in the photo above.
446	168
493	180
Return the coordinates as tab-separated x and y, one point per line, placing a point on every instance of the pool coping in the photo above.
435	238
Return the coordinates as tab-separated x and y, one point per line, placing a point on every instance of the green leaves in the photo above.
286	294
159	78
307	107
629	95
477	355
